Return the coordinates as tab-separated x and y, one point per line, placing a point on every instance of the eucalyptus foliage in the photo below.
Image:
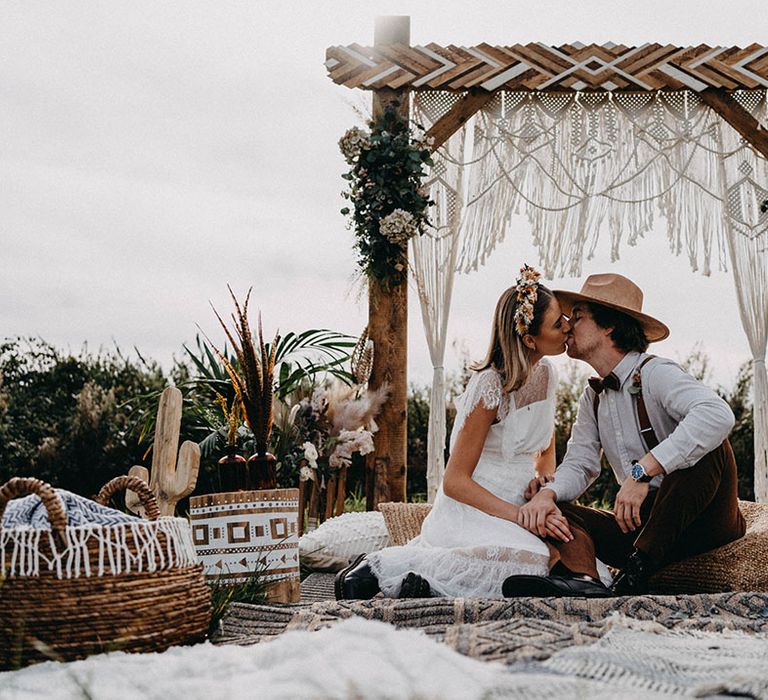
386	176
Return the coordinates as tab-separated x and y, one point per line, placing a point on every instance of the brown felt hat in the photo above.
616	292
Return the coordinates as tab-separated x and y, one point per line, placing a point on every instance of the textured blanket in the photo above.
359	658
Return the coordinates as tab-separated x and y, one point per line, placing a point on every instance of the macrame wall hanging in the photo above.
586	166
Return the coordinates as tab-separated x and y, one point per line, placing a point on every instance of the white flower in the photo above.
310	454
398	227
354	141
305	474
423	142
350	441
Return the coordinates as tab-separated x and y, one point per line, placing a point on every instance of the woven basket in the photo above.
73	591
403	520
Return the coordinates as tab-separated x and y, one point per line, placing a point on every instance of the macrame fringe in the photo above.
21	554
580	165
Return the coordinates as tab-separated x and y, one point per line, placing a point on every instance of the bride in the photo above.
502	439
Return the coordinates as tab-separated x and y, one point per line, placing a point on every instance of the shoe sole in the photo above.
338	583
414	586
530	587
540	587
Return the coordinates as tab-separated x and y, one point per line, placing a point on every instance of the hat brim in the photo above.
654	329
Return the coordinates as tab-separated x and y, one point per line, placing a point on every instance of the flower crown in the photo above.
527	292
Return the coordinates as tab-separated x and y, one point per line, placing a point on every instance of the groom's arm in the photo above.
581	464
703	419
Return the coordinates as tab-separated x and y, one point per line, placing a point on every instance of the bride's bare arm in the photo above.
544	466
545	462
458	483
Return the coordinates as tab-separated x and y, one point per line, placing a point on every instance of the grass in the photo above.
355	501
253	590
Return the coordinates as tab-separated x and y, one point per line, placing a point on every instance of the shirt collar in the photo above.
624	369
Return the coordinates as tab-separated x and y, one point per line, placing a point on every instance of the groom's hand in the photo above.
626	508
535	484
557	527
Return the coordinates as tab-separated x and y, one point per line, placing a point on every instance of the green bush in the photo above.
75	420
66	418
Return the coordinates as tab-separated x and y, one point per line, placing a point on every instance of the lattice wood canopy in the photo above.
535	66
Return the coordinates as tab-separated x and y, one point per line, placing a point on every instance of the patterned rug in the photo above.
513	631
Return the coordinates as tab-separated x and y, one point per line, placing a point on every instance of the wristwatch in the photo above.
638	472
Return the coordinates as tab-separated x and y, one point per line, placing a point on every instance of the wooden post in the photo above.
738	117
388	322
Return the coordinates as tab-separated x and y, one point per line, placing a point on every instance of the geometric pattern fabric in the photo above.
536	66
237	534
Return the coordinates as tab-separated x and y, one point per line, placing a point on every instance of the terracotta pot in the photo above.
261	471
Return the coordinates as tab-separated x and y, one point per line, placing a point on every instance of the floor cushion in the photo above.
332	545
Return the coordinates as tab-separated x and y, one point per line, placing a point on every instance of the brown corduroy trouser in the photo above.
694	510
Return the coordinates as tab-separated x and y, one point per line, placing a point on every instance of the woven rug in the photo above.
512	631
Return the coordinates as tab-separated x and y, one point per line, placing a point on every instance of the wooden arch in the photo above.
392	68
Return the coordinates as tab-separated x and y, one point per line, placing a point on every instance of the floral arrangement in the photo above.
330	426
527	293
334	422
388	204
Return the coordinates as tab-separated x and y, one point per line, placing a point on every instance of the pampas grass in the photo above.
347	411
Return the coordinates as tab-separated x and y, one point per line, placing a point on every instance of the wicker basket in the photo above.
71	591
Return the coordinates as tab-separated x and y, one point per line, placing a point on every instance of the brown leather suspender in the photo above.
647	433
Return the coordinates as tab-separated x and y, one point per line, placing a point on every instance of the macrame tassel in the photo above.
122	548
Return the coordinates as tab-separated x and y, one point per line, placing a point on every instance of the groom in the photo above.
664	435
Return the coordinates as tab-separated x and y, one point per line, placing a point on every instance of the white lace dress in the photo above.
463	551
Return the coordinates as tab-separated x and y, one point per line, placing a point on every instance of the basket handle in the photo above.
19	486
139	486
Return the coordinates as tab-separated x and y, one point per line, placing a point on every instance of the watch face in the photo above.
637	472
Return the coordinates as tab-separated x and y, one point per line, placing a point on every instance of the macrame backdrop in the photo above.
584	165
433	259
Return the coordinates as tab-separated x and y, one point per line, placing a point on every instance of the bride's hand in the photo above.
533	515
557	527
535	484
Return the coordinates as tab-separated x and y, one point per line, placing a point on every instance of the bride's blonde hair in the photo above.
507	353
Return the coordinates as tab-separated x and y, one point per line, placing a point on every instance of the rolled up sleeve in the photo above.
581	464
703	419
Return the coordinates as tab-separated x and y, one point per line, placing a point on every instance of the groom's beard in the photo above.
576	351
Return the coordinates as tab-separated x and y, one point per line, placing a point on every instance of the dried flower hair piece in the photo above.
527	292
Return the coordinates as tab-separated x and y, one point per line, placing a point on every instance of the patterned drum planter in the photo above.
241	533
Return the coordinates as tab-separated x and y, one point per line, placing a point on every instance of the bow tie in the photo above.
610	382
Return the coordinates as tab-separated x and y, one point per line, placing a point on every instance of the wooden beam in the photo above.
388	328
457	116
739	118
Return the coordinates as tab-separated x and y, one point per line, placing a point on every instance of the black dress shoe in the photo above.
554	586
414	586
634	577
356	582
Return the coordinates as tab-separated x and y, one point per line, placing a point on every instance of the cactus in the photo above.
174	469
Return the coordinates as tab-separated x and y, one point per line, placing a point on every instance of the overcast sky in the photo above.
152	152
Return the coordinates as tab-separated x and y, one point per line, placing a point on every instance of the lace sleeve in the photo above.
484	386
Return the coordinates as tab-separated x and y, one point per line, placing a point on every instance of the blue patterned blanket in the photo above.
30	512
